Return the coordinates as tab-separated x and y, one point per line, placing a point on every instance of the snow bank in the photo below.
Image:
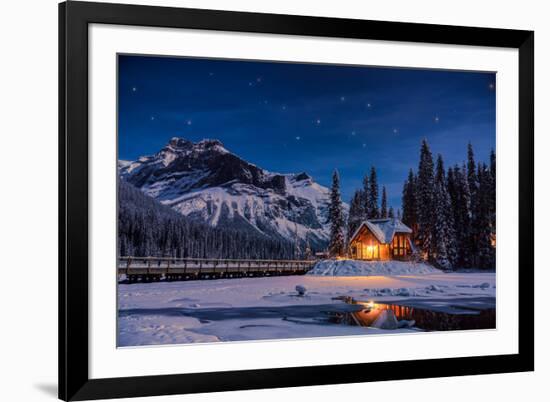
370	268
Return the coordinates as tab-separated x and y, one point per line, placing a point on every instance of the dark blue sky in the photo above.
307	117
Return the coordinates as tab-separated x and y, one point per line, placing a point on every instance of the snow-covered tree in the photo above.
424	199
365	196
336	218
443	239
493	171
485	255
308	253
410	210
373	211
457	188
356	213
297	248
461	206
384	204
472	171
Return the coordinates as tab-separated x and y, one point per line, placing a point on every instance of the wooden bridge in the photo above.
152	269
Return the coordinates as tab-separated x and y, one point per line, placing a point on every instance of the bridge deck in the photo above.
154	269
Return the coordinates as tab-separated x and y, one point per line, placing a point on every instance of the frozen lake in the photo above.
271	307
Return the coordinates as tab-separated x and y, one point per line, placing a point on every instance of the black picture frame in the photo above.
74	381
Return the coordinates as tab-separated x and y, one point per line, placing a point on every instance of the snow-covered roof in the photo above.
383	229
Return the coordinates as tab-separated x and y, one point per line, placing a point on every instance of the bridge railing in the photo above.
134	266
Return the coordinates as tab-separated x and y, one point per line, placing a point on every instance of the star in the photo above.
298	138
189	122
369	105
250	84
318	121
152	117
284	107
436	119
395	131
364	145
491	86
210	74
134	89
353	133
342	98
259	79
265	101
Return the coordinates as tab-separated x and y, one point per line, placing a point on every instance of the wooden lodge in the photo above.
382	240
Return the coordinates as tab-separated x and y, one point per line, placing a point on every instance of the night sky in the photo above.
290	118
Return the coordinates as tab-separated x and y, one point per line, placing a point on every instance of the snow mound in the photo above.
301	290
370	268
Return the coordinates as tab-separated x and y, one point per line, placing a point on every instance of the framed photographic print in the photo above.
255	200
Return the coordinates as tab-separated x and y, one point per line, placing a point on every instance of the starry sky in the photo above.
293	117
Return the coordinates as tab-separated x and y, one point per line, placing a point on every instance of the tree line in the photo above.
452	213
148	228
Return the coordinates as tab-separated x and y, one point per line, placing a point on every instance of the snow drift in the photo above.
370	268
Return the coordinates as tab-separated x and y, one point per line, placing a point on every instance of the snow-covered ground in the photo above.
271	308
369	268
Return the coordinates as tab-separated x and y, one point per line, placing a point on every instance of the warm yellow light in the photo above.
370	304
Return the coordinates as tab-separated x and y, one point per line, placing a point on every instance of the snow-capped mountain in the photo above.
206	182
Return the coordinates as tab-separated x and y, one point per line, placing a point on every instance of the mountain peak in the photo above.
211	144
204	181
302	176
179	143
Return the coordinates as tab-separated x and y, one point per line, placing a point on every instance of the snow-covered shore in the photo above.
369	268
271	308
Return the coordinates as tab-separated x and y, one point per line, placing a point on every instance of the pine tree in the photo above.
485	252
459	193
452	191
356	213
474	193
443	243
472	173
410	209
297	248
391	214
424	192
365	197
493	162
493	176
399	213
384	205
336	219
373	211
308	253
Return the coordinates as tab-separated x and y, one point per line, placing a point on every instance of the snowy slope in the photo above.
206	182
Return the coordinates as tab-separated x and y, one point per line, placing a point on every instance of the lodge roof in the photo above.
383	229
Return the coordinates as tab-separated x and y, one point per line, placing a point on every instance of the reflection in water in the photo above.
423	318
